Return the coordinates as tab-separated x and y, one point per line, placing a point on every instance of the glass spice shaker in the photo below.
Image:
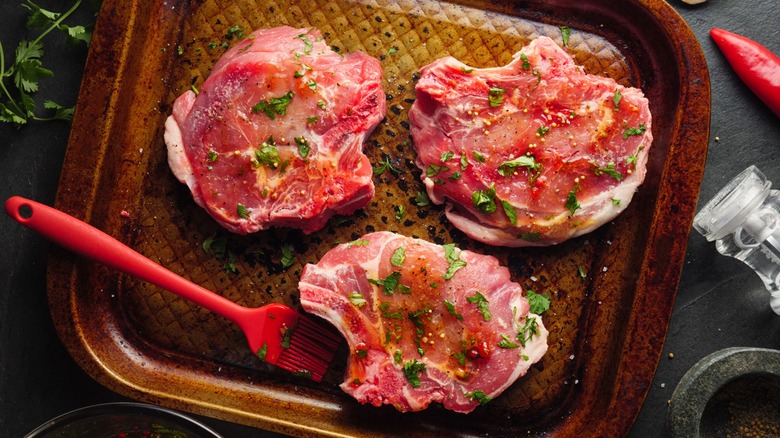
744	221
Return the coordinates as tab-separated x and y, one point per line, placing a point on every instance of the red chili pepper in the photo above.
758	68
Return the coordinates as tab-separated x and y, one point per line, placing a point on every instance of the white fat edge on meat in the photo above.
177	157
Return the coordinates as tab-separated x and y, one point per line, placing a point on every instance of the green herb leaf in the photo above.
479	396
505	342
631	159
389	284
628	132
616	99
268	154
485	200
452	255
303	146
235	31
307	43
451	310
412	370
526	64
242	211
565	34
385	165
496	96
527	332
539	303
387	313
510	211
262	352
482	305
286	337
398	257
571	200
359	242
531	236
60	112
287	256
528	161
421	199
434	170
274	106
608	170
357	299
27	68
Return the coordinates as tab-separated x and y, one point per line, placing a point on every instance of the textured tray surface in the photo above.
606	327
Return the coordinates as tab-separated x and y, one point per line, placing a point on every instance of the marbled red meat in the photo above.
424	322
275	135
531	153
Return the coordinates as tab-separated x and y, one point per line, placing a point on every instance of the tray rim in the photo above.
122	18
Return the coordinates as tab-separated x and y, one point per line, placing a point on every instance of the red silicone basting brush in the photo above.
277	333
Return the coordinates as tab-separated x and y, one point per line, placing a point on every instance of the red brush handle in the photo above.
86	240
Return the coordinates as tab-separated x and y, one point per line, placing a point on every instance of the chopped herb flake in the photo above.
451	310
531	236
268	154
505	342
628	132
274	106
482	305
496	96
242	211
528	161
412	370
452	254
485	200
565	34
287	256
510	211
421	199
398	257
571	200
527	332
385	165
526	64
357	299
539	303
303	146
389	284
608	170
479	396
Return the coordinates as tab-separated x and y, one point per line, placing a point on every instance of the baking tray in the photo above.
612	291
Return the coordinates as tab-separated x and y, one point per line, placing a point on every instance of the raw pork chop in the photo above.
532	153
425	323
275	135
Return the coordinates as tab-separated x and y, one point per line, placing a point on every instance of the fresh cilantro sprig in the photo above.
19	80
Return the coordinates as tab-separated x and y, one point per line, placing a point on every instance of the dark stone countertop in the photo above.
720	302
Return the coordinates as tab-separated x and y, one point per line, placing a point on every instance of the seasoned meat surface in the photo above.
424	322
274	137
531	153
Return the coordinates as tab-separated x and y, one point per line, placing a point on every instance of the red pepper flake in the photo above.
124	213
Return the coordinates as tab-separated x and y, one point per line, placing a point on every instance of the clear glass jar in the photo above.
743	220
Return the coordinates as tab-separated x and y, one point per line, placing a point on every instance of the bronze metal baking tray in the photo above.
612	291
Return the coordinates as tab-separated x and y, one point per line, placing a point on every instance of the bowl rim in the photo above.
103	409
